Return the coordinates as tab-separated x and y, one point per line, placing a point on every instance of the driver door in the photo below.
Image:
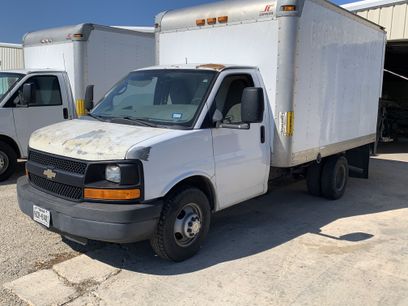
46	107
241	155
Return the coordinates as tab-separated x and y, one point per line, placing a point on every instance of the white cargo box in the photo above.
321	65
90	54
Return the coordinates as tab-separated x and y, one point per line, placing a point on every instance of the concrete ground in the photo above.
283	248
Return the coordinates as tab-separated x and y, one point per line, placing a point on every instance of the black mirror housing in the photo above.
89	96
28	94
252	105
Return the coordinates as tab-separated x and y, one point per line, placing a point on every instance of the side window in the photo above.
47	91
228	98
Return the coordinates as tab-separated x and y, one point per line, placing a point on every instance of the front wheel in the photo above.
8	161
183	225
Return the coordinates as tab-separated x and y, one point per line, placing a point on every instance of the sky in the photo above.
21	16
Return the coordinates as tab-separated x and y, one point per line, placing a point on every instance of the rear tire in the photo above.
8	161
183	225
335	174
313	179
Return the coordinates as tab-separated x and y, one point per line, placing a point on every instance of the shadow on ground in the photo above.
269	221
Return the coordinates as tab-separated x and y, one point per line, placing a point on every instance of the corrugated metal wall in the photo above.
394	18
11	57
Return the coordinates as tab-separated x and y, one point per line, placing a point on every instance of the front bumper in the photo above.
119	223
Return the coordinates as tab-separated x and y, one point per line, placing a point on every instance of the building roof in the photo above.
370	4
7	45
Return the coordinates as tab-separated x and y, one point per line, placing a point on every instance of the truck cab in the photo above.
50	102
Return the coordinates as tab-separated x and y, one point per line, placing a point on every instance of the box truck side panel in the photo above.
338	82
57	56
111	55
247	44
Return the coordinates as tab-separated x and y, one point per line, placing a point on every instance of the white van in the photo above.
59	64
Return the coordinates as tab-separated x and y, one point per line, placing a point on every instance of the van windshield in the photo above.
166	98
7	82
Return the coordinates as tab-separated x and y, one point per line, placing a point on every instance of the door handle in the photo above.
65	112
262	134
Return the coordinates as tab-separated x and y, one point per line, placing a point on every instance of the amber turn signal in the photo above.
111	194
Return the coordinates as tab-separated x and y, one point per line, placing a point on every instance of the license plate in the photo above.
41	215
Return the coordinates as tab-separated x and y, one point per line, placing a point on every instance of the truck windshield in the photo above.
7	82
165	97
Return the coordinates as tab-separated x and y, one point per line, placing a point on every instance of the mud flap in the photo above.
359	160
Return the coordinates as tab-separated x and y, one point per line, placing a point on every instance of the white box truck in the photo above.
246	92
59	64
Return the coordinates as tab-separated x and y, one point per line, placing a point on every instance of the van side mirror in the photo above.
28	94
89	96
252	105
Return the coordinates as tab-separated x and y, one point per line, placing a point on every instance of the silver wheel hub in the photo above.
188	225
192	225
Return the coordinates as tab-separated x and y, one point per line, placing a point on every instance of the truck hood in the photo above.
91	140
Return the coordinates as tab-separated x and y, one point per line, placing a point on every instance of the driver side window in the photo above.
47	91
228	98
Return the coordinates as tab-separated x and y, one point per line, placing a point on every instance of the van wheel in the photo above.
8	161
335	174
183	225
313	179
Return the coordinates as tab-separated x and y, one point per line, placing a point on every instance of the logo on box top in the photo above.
268	10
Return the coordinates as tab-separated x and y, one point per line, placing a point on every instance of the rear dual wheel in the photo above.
329	178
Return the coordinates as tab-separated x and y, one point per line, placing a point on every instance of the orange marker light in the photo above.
223	19
288	8
200	22
211	21
111	194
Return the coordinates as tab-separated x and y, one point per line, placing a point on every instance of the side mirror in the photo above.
252	105
89	96
28	94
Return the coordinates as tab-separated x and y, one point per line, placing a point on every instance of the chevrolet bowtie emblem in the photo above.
49	174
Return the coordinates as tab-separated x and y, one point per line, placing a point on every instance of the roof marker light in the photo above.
288	8
223	19
211	21
200	22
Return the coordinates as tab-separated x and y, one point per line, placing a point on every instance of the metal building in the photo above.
391	14
11	56
393	112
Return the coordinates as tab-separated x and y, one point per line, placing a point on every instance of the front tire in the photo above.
183	225
8	161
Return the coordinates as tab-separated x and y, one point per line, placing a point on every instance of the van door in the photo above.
47	106
241	155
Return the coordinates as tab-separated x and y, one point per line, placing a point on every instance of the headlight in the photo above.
112	174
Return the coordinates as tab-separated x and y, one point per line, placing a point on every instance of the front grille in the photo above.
58	163
62	190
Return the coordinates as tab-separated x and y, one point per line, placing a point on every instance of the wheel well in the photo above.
11	143
200	182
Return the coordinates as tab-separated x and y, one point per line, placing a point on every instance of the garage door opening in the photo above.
393	112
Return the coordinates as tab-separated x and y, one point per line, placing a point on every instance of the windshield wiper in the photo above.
100	118
132	120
